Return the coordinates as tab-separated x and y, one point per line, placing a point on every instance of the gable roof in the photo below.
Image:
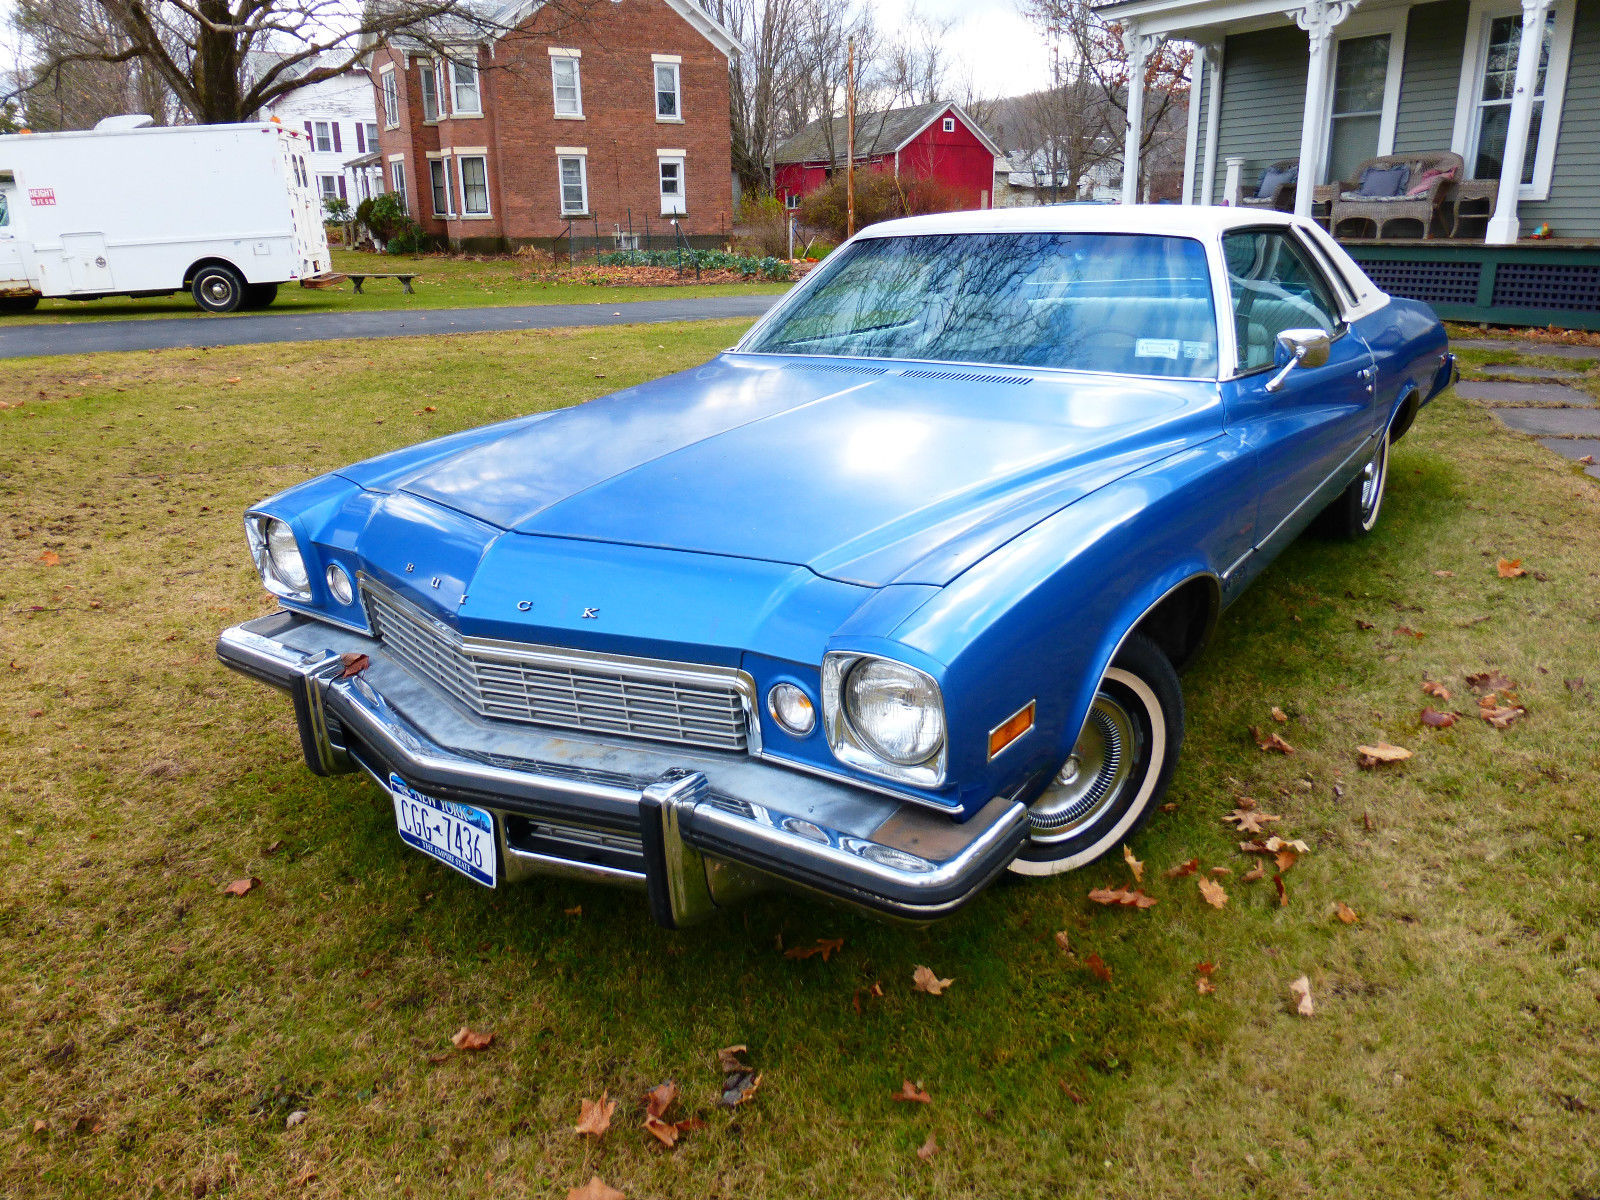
876	133
513	13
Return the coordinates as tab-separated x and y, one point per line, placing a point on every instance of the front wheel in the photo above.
218	288
17	305
1118	770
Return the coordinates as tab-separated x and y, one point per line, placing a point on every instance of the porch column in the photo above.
1211	55
1138	45
1191	141
1319	18
1504	226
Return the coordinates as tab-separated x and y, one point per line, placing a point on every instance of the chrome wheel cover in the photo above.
217	289
1094	777
1373	477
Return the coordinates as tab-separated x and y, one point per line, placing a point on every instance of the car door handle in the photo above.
1369	374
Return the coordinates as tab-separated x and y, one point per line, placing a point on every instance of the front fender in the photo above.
1042	617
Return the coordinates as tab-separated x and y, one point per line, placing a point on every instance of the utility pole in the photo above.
850	139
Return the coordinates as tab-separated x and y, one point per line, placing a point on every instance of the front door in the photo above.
1308	435
13	275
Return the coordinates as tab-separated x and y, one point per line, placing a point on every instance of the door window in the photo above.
1275	287
1359	76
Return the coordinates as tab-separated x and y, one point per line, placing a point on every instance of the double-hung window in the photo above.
670	166
474	186
391	100
328	185
567	84
372	137
397	175
430	90
669	106
1489	83
464	97
322	135
573	169
439	177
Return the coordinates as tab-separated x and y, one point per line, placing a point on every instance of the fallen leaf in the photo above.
1360	624
1097	965
1249	820
1205	968
1125	897
1500	711
824	946
1407	631
926	981
737	1087
1204	986
469	1039
274	847
1345	913
1271	741
1278	715
664	1132
1510	568
595	1189
1221	872
871	993
731	1058
1134	865
1283	892
1302	989
1574	685
928	1149
1212	892
1274	844
1490	681
240	886
595	1115
40	1125
1259	871
1437	690
50	558
295	1118
1445	574
1183	868
1063	941
575	911
659	1098
1434	719
304	1177
1285	859
911	1093
234	379
1383	752
354	663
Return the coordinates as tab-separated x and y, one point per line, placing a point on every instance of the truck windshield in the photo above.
1131	304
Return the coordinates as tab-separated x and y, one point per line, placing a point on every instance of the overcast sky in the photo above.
990	42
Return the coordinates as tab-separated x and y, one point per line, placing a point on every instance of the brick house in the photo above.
558	125
937	141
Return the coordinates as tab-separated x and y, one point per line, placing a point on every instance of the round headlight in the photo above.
284	553
792	709
894	710
339	585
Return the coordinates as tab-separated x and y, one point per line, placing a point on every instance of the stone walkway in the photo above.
1549	351
1564	418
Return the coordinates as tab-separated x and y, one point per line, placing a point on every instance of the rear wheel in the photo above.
1118	770
1355	512
259	295
14	305
218	288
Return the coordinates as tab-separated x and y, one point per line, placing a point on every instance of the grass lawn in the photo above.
156	1034
441	283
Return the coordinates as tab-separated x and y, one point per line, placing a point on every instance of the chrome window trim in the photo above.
981	366
650	670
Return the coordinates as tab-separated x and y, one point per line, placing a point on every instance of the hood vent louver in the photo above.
838	368
967	377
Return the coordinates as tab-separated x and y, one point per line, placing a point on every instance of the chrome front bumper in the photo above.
697	830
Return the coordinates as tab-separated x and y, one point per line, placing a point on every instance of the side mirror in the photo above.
1305	348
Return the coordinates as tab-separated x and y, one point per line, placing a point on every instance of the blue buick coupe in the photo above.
887	599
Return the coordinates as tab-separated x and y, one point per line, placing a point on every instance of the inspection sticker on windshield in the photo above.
458	835
1155	348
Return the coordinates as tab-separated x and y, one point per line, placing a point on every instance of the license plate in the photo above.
458	835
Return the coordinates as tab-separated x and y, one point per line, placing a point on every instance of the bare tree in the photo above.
913	67
84	89
200	49
761	82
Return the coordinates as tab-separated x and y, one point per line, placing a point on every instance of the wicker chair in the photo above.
1420	206
1282	197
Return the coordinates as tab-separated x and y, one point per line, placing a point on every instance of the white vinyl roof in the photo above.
1173	220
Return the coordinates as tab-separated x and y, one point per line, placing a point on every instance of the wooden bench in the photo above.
405	280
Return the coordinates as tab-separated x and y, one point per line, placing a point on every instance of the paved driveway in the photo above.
19	341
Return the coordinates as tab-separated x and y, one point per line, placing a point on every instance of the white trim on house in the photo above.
666	58
707	26
399	158
972	127
1464	133
557	61
563	52
672	154
1392	22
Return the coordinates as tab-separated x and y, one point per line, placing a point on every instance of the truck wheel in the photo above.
218	288
259	295
1356	510
16	305
1118	771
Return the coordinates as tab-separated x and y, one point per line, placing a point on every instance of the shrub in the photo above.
879	197
336	208
751	267
385	216
764	226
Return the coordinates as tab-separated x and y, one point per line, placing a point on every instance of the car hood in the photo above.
861	472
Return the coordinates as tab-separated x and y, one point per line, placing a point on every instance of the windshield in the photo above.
1131	304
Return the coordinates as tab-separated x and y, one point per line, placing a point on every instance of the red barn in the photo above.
936	141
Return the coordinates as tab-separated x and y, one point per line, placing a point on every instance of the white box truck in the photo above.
225	212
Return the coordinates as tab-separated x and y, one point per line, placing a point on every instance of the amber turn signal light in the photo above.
1011	728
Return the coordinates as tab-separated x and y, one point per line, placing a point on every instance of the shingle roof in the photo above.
876	133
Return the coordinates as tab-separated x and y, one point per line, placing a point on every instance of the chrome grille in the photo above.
541	685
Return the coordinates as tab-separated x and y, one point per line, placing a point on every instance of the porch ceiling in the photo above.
1210	20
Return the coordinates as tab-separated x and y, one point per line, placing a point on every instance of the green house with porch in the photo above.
1323	87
